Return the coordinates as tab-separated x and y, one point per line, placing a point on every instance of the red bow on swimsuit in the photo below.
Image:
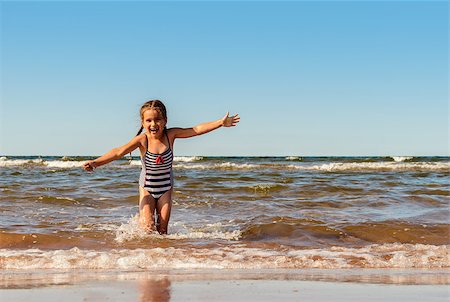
159	160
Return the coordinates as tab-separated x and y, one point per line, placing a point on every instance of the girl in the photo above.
156	145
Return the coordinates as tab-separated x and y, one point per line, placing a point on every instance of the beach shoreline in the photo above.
227	285
244	229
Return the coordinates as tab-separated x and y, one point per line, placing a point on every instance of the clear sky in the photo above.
307	78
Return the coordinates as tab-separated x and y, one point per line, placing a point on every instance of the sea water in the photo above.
228	212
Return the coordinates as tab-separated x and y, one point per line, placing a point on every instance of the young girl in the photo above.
156	145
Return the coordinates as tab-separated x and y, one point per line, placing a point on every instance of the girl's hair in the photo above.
156	105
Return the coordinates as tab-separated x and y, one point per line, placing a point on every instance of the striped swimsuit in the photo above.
156	175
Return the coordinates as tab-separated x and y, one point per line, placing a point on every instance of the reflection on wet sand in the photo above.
159	284
154	290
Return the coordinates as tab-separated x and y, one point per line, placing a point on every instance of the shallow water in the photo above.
229	212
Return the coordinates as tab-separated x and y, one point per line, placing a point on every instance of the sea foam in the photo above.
230	257
377	166
401	158
131	230
401	163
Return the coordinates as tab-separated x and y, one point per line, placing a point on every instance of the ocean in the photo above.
228	213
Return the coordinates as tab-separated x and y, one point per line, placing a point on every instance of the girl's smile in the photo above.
154	130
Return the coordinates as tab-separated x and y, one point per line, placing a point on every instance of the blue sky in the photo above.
307	78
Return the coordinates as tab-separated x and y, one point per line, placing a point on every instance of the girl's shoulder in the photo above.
170	131
142	138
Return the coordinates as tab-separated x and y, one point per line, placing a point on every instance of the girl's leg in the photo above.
147	205
163	208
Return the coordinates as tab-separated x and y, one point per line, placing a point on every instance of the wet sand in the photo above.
228	285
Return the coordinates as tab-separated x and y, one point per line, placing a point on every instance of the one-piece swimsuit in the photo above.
156	175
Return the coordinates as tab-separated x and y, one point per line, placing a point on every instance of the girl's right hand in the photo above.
230	121
89	166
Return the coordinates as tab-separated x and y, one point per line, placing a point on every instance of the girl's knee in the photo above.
146	219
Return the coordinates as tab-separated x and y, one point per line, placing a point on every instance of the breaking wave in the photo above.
399	163
373	256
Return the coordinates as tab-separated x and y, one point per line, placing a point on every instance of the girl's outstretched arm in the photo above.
226	121
112	155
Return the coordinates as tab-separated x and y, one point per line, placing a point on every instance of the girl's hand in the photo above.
230	121
89	166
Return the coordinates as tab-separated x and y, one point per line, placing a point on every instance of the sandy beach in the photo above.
228	285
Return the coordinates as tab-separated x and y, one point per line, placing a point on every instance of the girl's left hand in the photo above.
230	121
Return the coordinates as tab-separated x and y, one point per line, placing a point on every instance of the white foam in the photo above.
130	231
136	163
191	163
187	159
377	166
63	164
229	165
211	231
133	231
231	257
218	166
401	158
233	235
293	158
329	167
5	162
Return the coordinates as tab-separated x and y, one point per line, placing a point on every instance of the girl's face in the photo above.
153	122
